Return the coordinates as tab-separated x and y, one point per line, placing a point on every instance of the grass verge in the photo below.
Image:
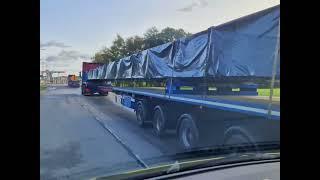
266	92
43	87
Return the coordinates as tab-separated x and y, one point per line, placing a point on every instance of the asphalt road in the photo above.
82	137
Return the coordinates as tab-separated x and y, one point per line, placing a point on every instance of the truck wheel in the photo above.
188	133
239	142
142	113
159	120
103	94
83	93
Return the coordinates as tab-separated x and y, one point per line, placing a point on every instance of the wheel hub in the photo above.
139	114
187	137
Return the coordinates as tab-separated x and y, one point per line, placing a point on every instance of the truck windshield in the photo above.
164	87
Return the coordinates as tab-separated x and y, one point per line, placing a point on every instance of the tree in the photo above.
151	38
134	44
104	56
117	50
98	58
121	48
170	34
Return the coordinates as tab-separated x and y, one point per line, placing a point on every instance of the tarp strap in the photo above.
275	62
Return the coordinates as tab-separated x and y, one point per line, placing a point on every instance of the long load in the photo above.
173	86
244	47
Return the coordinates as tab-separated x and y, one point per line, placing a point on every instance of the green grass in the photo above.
187	88
266	92
43	87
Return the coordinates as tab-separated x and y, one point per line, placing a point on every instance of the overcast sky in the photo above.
71	31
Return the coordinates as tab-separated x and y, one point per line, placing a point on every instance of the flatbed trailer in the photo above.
241	54
201	120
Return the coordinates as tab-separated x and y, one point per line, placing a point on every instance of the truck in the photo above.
91	87
204	88
73	81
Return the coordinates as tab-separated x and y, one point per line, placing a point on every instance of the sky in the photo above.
71	31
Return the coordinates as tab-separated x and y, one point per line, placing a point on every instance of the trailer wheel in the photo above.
103	94
83	93
159	120
188	133
239	142
141	113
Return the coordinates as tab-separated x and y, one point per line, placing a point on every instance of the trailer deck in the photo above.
251	105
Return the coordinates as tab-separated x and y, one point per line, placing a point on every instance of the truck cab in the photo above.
73	81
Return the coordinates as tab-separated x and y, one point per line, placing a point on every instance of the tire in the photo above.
239	143
188	133
85	94
142	113
159	121
82	92
103	94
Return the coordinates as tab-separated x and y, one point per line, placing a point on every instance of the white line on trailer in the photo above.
232	106
144	93
244	108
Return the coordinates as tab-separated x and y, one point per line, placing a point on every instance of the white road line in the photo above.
114	134
111	131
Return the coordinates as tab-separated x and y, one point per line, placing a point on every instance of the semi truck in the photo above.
204	88
73	81
91	87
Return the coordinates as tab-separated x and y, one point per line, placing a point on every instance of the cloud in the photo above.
198	3
188	8
53	44
66	56
203	3
62	65
72	54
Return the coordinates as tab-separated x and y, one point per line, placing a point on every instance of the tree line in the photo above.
121	47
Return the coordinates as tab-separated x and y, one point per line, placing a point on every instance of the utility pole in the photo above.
43	68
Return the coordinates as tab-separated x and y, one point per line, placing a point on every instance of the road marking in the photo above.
113	133
136	156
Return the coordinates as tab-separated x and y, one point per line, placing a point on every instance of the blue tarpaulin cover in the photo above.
239	48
